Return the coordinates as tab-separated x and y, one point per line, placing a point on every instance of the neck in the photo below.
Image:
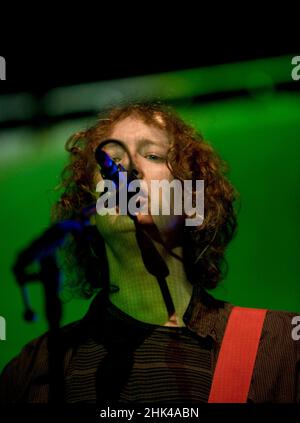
139	293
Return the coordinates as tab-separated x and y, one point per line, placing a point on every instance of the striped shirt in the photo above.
109	355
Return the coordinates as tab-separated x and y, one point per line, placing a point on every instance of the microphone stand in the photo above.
43	251
50	277
155	265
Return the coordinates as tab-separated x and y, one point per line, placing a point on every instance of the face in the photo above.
143	147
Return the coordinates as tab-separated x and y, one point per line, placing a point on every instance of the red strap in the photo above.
234	368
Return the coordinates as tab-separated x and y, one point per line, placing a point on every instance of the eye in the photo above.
154	158
116	159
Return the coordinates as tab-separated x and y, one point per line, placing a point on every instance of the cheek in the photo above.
157	172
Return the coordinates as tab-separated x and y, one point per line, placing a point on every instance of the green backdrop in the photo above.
258	136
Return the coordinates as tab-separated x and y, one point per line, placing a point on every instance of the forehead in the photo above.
133	130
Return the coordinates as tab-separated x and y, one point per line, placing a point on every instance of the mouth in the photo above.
140	203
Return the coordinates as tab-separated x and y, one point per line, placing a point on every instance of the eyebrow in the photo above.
142	141
146	141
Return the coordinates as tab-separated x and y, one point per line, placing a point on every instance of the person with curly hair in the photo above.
153	333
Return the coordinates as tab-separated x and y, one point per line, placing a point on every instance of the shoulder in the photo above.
276	371
280	338
32	364
277	324
276	376
39	346
280	329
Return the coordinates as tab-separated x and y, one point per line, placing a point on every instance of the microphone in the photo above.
110	169
120	177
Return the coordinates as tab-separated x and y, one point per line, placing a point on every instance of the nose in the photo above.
135	168
136	174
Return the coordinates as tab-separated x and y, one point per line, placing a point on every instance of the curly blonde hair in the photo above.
189	157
